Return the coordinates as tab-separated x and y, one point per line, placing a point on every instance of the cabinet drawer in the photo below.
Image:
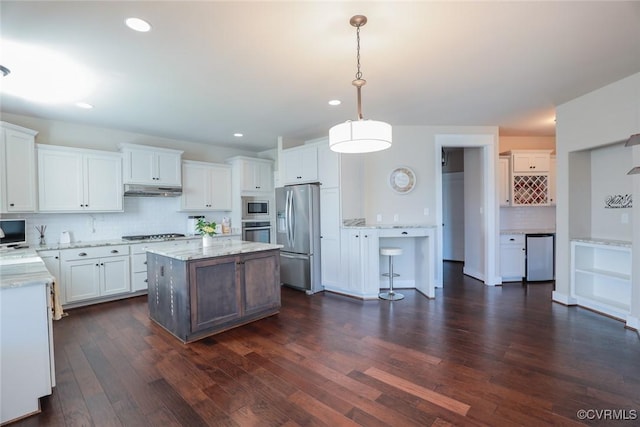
94	252
402	232
512	239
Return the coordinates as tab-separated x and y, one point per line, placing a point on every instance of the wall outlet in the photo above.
396	217
624	218
379	218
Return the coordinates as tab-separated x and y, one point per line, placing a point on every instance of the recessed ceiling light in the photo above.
238	135
138	24
84	105
335	102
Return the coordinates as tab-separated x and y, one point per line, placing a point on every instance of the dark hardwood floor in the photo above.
472	356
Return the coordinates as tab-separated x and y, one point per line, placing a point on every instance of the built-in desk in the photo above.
362	264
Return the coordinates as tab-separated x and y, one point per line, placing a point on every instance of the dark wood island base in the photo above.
194	296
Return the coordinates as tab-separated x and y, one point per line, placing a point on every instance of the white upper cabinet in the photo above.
552	181
205	186
301	164
17	169
505	181
151	165
73	180
255	175
328	166
531	160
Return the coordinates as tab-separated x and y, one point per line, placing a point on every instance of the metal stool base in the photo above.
391	296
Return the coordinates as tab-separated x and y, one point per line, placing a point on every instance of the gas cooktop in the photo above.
164	236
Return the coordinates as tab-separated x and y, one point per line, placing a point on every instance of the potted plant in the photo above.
207	229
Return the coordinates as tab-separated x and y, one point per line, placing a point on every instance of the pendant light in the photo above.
360	136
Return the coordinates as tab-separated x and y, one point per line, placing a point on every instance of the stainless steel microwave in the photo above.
253	208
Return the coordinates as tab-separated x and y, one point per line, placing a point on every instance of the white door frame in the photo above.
487	142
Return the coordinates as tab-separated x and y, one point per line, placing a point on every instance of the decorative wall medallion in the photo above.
618	201
402	180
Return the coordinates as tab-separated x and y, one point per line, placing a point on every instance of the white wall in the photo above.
600	118
413	146
609	166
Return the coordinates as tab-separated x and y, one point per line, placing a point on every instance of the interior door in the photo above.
453	216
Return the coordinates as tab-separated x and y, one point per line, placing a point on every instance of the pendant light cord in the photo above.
359	81
358	73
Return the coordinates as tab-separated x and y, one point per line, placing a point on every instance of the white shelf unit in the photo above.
601	276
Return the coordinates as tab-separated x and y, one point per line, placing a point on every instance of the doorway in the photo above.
453	204
481	211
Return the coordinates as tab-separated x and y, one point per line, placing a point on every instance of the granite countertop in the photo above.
389	226
620	243
530	231
113	242
22	267
218	249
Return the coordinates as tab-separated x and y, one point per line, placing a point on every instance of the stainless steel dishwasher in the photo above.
540	257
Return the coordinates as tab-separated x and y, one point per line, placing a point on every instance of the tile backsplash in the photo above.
527	218
142	215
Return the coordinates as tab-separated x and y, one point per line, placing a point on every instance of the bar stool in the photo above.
391	295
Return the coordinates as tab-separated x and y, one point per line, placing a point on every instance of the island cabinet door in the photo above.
214	292
261	279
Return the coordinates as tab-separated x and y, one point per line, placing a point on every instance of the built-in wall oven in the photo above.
256	231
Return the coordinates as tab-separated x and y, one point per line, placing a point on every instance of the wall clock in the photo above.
402	180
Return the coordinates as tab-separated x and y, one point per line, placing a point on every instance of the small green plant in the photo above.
206	228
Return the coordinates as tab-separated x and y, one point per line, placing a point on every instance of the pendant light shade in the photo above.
359	136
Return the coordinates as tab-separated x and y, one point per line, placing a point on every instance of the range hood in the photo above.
136	190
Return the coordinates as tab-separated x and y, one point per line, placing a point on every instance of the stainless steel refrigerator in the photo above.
298	230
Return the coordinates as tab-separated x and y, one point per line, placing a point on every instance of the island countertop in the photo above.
218	249
22	267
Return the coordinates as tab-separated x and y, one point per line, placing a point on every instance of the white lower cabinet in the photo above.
330	259
601	276
139	259
512	257
26	349
361	267
95	272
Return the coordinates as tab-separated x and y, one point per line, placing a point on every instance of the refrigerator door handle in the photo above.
290	217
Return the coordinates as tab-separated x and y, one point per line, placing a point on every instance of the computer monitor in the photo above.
13	232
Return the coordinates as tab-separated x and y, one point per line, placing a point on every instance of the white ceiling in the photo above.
268	69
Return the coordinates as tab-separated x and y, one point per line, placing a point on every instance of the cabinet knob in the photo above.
97	265
512	239
11	204
404	232
82	254
145	263
114	251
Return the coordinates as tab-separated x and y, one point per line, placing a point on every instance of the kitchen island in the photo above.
195	292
